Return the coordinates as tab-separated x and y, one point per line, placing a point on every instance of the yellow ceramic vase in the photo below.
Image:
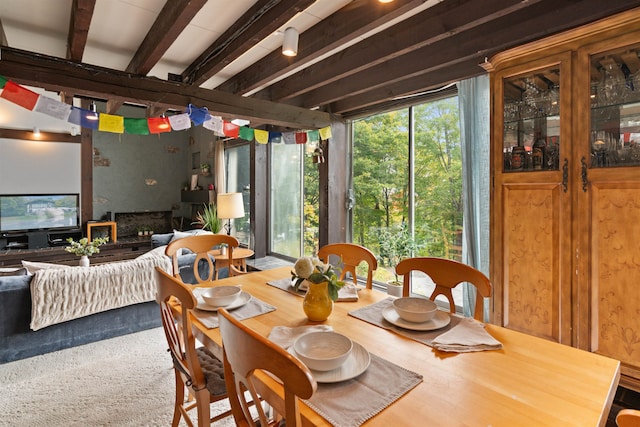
317	304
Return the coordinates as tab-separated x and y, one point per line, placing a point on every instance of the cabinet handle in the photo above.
585	181
565	175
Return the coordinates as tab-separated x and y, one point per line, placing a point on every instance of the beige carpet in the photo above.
124	381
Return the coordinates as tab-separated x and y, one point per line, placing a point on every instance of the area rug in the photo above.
123	381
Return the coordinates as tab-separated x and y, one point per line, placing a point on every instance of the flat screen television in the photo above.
31	212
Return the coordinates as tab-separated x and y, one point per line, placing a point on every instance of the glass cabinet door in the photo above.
615	108
532	121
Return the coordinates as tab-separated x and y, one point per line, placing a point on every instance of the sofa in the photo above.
19	341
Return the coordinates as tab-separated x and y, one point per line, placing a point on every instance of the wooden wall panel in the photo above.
615	299
531	237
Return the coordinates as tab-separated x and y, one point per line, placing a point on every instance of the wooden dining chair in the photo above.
351	255
446	274
195	252
628	418
241	366
196	369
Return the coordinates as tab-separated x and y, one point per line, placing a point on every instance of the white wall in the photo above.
38	167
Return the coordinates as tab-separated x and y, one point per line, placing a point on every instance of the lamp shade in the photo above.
230	205
290	42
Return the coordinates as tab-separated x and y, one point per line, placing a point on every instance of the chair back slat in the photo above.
446	274
201	245
350	256
628	418
241	366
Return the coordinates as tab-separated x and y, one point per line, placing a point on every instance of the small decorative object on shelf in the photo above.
322	287
85	248
205	169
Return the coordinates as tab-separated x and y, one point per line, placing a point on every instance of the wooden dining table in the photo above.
530	381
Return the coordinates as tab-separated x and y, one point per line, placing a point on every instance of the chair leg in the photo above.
203	404
179	400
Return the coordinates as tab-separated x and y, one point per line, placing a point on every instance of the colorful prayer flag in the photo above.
301	137
180	121
289	138
135	126
275	137
111	123
261	136
325	133
197	115
158	124
246	133
214	124
230	129
84	118
313	136
19	95
53	107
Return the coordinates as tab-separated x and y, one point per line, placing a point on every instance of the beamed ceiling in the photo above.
355	57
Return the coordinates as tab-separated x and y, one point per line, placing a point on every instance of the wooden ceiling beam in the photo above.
261	20
435	24
102	83
354	20
81	14
171	21
525	25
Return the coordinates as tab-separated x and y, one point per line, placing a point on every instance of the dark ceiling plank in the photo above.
81	14
534	22
406	92
262	19
172	20
101	83
396	104
353	20
437	23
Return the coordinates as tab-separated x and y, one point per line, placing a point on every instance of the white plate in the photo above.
357	362
242	299
439	320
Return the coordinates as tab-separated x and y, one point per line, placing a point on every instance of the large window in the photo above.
238	180
294	200
408	184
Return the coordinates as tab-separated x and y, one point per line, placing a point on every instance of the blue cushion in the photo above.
158	240
10	283
185	265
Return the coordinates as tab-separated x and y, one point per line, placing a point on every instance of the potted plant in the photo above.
396	244
85	248
208	218
205	168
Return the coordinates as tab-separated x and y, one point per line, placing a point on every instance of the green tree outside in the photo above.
381	181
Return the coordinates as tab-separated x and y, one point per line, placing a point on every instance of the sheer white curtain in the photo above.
473	96
220	173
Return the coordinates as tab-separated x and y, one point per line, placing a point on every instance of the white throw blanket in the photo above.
61	294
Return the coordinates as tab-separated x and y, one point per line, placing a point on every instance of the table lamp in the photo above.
230	205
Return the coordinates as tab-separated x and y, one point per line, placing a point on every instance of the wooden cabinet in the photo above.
565	202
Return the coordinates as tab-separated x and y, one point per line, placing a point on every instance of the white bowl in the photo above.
219	296
323	351
415	309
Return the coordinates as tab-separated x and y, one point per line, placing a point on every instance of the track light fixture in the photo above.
36	131
290	42
93	116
